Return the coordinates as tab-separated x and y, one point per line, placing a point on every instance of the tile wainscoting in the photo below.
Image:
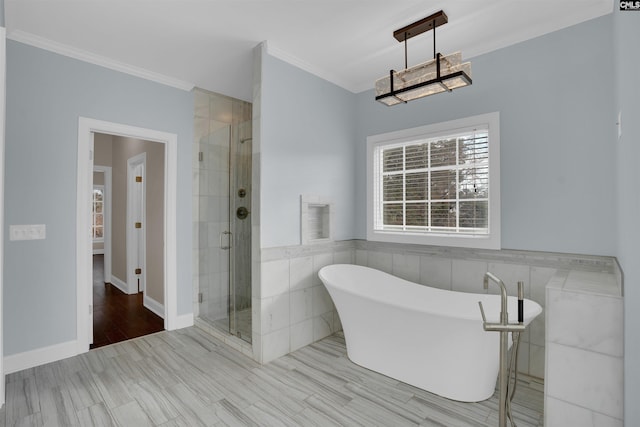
293	309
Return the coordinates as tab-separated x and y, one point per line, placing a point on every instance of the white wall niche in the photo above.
316	219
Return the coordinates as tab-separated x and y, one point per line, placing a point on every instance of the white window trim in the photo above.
490	241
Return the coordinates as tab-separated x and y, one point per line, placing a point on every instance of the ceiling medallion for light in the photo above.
442	73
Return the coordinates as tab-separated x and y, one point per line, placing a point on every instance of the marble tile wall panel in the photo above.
276	344
406	266
584	349
275	313
380	261
296	308
435	272
301	334
511	274
467	276
301	273
321	260
586	321
344	256
301	305
559	413
585	378
275	278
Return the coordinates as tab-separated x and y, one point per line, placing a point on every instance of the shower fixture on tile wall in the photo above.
442	73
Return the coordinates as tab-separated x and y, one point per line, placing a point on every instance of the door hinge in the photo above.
138	225
138	271
138	179
90	309
200	297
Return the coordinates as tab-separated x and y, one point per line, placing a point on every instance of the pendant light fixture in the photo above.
442	73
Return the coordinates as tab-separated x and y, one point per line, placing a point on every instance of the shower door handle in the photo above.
230	239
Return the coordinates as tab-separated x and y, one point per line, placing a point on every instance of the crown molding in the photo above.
303	65
92	58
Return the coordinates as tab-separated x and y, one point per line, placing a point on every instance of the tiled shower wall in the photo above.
297	310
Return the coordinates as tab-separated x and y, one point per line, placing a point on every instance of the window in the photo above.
97	214
436	184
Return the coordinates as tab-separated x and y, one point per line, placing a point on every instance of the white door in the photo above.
138	219
136	259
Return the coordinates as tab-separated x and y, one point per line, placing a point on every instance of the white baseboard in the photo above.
153	305
40	356
183	321
119	284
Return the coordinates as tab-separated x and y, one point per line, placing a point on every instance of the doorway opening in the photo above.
131	221
162	217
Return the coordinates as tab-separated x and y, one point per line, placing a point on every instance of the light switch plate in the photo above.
28	232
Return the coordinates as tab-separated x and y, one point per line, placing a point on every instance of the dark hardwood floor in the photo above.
116	315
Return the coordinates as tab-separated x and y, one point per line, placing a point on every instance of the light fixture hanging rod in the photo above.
421	26
406	61
434	39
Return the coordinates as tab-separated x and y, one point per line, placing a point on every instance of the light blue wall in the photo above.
627	34
46	93
307	133
554	95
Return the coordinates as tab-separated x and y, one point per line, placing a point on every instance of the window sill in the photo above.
491	241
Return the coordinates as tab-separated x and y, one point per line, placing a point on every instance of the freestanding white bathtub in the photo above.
427	337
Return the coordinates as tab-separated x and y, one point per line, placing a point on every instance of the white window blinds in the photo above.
435	185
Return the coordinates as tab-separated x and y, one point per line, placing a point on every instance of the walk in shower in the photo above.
222	212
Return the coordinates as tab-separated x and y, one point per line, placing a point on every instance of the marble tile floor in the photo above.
188	378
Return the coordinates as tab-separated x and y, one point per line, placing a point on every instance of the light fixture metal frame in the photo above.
403	34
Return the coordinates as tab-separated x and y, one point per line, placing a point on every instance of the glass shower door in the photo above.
222	164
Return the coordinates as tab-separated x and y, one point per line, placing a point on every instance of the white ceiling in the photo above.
209	43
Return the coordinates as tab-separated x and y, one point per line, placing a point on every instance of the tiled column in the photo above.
584	347
296	309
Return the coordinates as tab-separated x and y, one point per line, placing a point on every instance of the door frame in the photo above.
3	67
86	129
132	285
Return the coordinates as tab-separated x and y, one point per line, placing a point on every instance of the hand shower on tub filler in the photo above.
506	390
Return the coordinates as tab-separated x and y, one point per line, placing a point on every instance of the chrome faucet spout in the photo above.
504	314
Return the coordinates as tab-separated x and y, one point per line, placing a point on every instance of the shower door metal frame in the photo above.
234	147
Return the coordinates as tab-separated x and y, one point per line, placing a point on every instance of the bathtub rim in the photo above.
491	302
